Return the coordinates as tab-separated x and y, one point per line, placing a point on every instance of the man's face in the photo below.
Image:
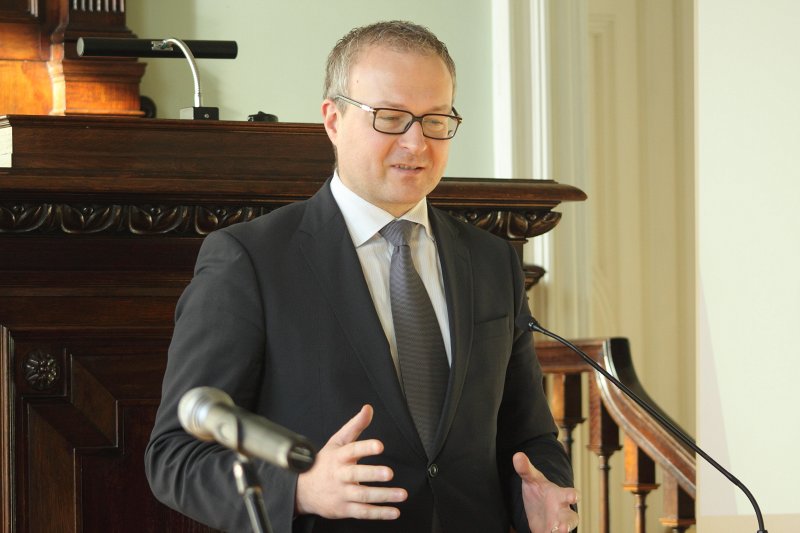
393	172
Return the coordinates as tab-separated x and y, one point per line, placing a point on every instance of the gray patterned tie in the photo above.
424	369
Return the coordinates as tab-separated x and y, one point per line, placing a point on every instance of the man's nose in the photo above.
413	139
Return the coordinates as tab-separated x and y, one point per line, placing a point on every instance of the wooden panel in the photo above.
20	41
289	150
101	87
25	87
83	435
92	318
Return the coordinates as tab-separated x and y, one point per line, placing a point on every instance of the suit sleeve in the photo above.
525	422
218	341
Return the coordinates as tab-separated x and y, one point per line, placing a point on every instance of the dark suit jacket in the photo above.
279	316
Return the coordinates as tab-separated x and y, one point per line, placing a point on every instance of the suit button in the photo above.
433	470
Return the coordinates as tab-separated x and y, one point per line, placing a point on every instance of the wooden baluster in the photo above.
565	402
640	479
603	441
678	506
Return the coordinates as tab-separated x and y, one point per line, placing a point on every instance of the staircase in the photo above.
617	423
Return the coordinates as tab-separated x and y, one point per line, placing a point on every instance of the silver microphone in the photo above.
210	414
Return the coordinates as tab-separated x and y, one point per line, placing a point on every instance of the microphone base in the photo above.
200	113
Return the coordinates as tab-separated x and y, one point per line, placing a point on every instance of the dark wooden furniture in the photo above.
100	223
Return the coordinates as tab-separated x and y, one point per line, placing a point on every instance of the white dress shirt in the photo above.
364	222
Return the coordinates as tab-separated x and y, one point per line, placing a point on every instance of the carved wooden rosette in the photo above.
41	370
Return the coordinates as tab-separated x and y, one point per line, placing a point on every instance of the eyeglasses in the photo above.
397	121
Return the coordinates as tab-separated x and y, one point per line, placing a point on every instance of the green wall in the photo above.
282	51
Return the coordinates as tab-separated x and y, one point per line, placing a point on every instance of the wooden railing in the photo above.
644	442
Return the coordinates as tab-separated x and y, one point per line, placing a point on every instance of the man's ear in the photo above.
330	119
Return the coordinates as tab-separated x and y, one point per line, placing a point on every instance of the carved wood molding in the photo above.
171	179
199	220
42	370
511	225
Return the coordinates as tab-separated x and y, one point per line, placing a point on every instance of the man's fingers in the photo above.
568	520
361	497
335	487
362	511
525	469
570	495
352	429
369	494
365	473
355	451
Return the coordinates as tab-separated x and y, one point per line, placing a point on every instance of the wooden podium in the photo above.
100	223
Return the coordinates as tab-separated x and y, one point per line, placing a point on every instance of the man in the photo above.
301	316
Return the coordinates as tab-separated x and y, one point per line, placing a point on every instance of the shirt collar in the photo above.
364	220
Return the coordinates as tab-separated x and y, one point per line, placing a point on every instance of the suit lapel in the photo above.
331	255
457	274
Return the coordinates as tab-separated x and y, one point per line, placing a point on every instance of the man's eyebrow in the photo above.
443	109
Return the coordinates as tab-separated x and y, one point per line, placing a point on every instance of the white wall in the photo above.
282	51
748	259
631	251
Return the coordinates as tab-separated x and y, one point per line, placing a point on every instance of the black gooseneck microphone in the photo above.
531	324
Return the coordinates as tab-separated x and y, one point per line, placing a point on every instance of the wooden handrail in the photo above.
643	434
661	445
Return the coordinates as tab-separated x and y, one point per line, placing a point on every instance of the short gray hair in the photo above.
397	35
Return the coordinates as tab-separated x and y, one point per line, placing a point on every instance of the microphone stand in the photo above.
247	483
533	325
249	488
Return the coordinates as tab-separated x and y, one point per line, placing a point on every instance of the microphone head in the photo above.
194	406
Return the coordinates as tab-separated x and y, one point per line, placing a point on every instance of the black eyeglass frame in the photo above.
414	118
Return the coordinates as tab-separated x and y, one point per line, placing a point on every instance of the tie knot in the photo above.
398	232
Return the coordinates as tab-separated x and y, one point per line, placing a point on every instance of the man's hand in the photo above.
547	505
332	487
